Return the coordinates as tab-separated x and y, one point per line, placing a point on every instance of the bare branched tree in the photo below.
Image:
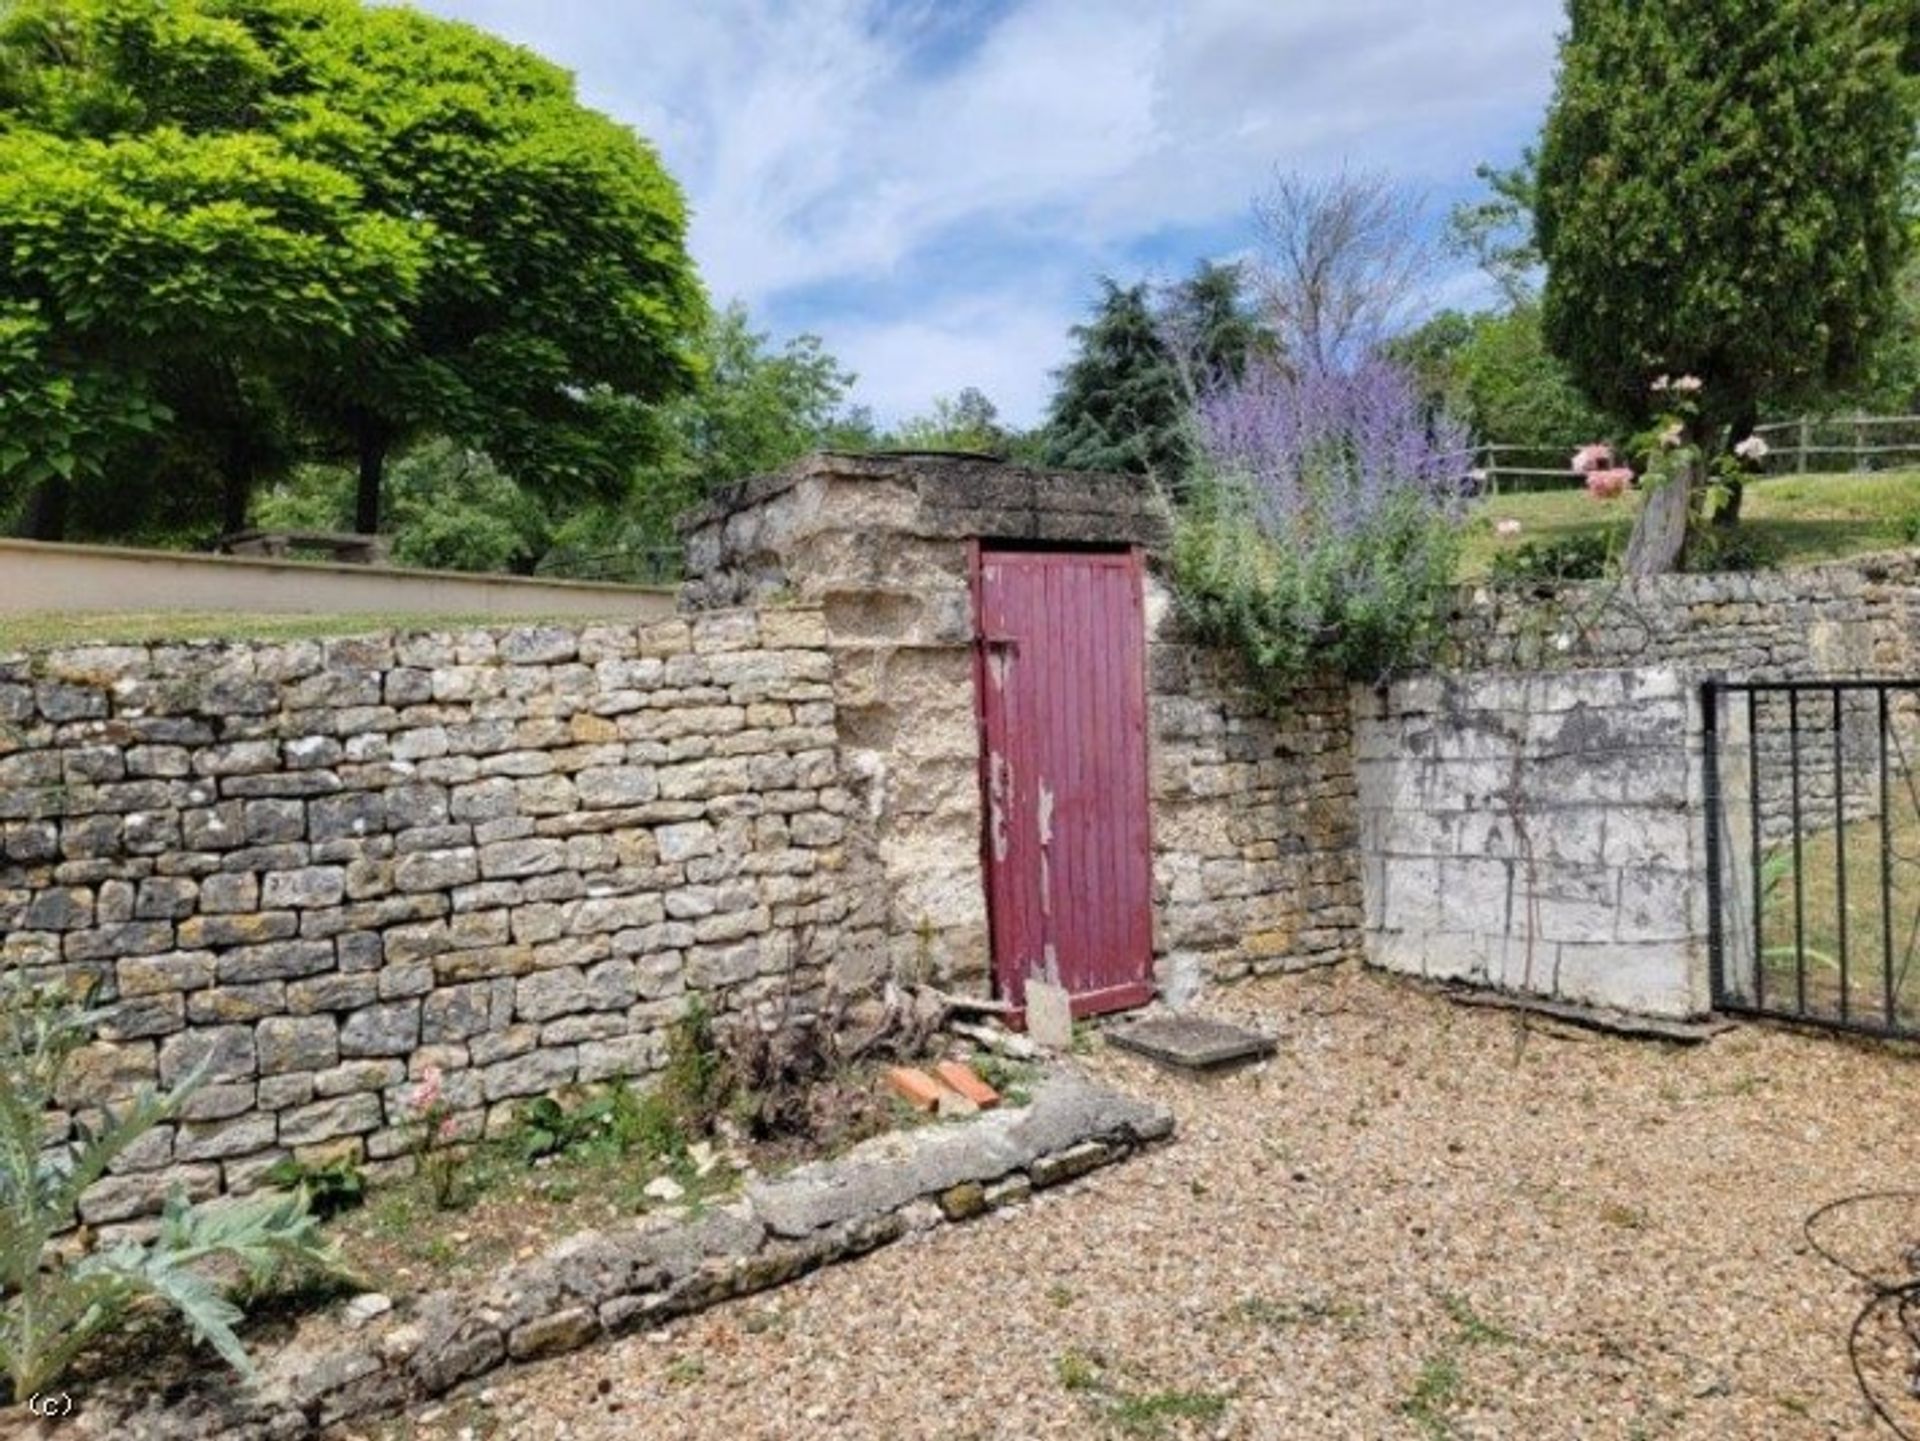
1342	258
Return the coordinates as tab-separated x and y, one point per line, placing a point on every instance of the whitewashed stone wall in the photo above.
513	855
1537	833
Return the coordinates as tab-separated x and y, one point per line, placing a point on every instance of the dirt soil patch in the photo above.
1417	1220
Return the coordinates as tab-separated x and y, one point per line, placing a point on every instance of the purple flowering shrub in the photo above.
1325	530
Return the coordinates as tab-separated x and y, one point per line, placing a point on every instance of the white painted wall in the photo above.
1539	834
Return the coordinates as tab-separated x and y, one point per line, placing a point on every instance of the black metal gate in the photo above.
1813	851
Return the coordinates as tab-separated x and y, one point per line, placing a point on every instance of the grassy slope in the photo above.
1799	519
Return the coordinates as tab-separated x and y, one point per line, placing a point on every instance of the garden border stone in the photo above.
603	1283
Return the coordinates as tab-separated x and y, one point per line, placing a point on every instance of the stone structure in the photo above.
1538	833
321	868
514	854
1252	816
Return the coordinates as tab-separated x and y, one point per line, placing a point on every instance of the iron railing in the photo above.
1813	851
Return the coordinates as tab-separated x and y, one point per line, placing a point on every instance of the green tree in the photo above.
1719	194
1493	370
238	224
1120	405
1211	327
757	408
967	421
1497	232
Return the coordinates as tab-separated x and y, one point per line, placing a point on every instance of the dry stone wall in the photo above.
1255	836
318	868
1853	618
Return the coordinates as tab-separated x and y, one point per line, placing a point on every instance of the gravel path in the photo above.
1417	1220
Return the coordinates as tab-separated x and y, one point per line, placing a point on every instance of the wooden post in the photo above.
1805	441
1660	533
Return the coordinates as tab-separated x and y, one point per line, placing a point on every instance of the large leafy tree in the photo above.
758	407
242	225
1213	327
1120	405
1719	194
1493	371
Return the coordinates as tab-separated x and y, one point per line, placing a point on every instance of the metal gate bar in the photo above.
1831	913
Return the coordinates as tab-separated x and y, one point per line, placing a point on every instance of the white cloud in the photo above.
998	343
825	154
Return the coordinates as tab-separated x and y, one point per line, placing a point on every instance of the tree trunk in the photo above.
372	441
1660	534
236	482
1742	427
46	517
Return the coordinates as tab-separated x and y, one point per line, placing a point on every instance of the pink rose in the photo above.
1609	484
1589	458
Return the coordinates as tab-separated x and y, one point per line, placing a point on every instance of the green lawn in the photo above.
43	630
1810	920
1795	520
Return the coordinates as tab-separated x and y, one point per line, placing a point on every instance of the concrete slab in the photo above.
1193	1043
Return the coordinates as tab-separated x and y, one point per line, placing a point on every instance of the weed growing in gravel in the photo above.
1436	1391
768	1320
1475	1329
1627	1218
1149	1415
1060	1296
1077	1371
1349	1317
685	1370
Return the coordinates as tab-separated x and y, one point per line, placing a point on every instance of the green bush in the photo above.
608	1123
1573	557
331	1187
1363	604
52	1308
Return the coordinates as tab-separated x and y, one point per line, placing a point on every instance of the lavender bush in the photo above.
1326	528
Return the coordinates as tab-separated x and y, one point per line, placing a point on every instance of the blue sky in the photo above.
934	185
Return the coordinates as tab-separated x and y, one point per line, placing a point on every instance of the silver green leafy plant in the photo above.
55	1298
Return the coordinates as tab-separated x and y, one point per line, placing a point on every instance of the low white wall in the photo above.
1539	834
38	577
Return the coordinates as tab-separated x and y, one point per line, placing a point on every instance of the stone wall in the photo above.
1537	833
1852	618
1255	839
509	854
1252	816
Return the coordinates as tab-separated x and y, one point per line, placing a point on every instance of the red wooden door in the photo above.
1061	679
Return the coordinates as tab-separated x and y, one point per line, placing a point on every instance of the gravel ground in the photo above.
1417	1220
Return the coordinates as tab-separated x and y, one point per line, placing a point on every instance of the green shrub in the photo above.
330	1187
1573	557
608	1123
696	1082
1364	604
1322	534
52	1309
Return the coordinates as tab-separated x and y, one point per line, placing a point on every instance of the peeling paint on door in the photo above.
1067	850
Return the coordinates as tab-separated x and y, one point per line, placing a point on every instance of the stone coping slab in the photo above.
602	1283
1193	1043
